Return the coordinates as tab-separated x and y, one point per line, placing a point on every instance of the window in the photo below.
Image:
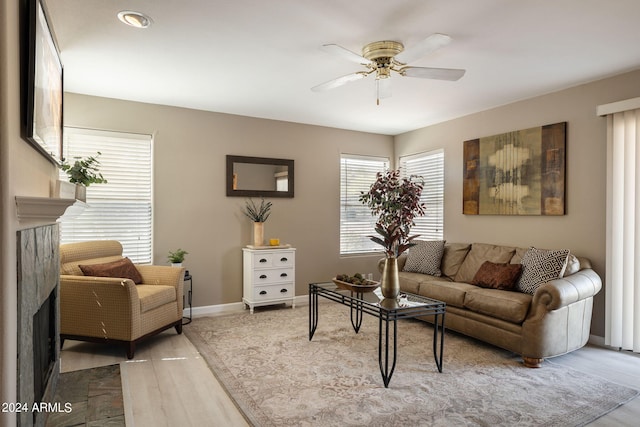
120	209
357	173
430	166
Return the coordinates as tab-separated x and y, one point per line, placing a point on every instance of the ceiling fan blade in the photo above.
426	46
452	74
340	81
340	51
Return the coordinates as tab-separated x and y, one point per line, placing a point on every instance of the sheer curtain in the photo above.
623	224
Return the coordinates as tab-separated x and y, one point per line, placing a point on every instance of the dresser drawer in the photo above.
263	293
274	275
271	259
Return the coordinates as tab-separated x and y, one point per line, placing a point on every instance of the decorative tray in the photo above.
283	246
369	287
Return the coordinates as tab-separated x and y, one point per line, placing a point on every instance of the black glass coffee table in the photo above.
408	306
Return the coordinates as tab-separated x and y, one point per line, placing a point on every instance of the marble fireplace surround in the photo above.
38	276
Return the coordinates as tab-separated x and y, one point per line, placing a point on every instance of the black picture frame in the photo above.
42	87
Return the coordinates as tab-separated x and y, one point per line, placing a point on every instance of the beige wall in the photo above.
582	229
23	172
192	211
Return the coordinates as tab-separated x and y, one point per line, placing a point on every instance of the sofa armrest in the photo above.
568	290
102	307
161	275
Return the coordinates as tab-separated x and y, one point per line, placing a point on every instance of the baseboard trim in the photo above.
233	307
597	340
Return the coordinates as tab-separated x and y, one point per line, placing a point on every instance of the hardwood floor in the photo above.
169	384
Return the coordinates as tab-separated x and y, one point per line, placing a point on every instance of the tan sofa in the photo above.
555	320
116	310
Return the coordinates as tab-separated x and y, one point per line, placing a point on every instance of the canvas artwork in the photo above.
516	173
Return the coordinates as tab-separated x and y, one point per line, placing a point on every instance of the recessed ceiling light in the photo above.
134	19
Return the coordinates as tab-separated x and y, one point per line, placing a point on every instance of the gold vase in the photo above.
258	233
390	283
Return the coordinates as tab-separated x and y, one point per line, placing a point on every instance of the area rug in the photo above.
277	377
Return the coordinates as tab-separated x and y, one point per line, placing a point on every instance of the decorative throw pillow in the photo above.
425	257
540	266
497	276
122	268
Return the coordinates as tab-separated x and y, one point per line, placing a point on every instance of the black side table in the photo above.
188	277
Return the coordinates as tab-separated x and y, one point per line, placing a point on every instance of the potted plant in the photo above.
257	214
396	202
177	257
83	173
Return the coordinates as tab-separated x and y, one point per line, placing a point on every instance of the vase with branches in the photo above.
395	200
258	214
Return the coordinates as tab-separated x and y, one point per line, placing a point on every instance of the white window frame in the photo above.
429	165
356	221
122	208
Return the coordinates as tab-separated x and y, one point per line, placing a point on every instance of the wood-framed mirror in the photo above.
259	177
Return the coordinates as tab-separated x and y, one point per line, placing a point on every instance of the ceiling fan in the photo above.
383	57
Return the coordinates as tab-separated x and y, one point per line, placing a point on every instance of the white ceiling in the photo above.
260	58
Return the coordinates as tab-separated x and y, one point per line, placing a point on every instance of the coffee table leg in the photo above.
438	327
385	370
356	312
313	311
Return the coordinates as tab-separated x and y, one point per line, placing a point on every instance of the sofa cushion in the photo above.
454	255
425	257
452	293
497	276
506	305
539	266
153	296
479	253
122	268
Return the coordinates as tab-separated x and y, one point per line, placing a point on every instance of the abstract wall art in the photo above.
516	173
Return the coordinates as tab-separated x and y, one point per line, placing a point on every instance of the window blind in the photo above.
622	293
357	173
121	209
430	166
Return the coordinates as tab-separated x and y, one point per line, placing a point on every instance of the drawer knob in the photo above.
263	292
263	276
284	259
284	291
283	275
263	260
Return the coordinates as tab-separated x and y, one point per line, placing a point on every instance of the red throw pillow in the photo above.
497	276
123	268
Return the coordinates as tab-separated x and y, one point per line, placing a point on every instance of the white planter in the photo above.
64	190
176	264
81	193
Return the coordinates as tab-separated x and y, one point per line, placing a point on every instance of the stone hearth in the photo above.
38	278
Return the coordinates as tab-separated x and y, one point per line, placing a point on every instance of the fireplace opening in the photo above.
44	345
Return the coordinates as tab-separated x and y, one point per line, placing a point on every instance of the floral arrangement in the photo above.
84	171
396	202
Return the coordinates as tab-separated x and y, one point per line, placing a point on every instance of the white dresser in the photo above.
269	276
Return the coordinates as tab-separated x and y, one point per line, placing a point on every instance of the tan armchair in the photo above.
116	310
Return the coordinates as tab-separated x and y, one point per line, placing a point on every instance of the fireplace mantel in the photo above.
47	209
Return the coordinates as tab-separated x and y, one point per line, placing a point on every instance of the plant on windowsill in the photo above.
257	214
396	202
83	173
177	257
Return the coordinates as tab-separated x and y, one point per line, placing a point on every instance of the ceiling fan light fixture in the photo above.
134	19
383	73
